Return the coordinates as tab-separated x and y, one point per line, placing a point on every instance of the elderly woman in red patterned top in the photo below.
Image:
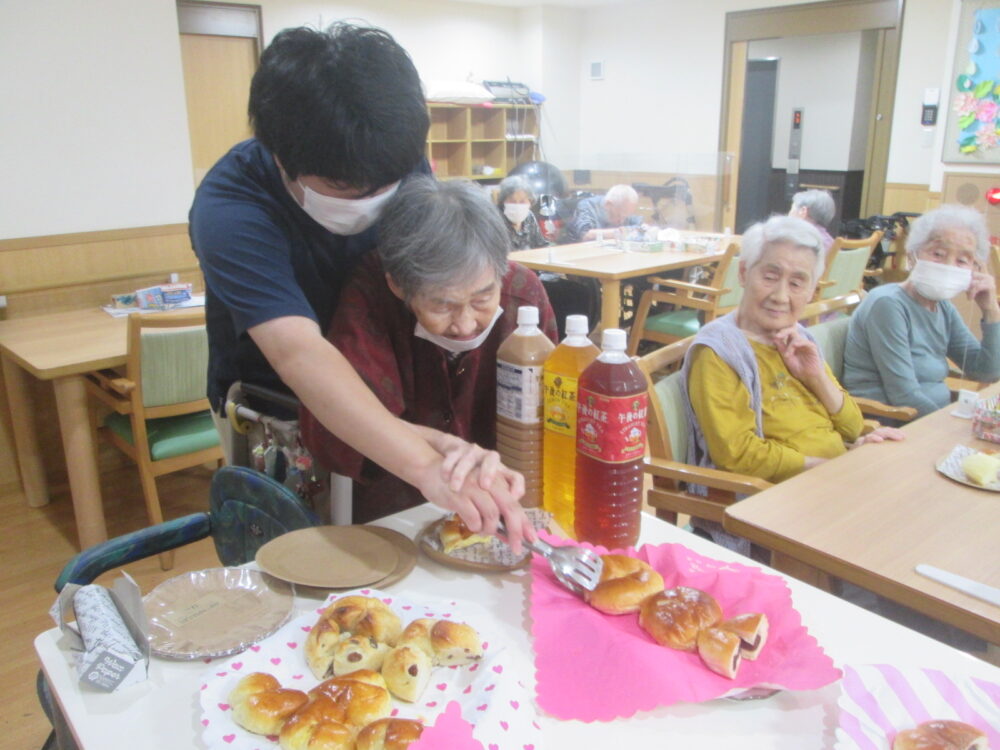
421	322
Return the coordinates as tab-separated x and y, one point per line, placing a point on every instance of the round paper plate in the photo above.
215	612
492	557
951	467
407	561
329	557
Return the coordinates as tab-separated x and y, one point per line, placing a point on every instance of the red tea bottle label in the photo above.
611	429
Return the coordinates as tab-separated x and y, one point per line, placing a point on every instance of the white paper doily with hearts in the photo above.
490	694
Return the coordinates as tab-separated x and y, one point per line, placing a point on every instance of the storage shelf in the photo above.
464	138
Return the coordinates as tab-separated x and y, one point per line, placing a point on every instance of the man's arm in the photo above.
324	381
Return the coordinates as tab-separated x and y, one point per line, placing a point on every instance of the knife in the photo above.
979	590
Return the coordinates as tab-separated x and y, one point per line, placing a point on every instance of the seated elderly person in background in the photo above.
902	335
760	399
598	213
421	321
816	207
514	198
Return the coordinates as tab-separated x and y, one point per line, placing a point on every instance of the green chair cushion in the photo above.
668	390
170	436
831	338
679	323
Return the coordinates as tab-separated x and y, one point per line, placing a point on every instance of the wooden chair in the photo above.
668	439
160	416
846	266
694	304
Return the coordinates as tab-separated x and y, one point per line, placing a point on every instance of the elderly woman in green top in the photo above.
902	335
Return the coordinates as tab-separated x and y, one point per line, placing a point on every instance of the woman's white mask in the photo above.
516	212
344	216
939	281
456	346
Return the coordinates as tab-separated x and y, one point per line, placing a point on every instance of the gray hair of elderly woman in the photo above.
782	230
513	184
946	218
436	234
819	205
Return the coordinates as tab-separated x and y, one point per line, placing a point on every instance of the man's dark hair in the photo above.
345	104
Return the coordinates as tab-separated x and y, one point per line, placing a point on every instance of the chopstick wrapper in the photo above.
111	632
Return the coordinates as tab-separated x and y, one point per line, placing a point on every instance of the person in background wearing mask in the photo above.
514	199
816	207
599	213
421	321
901	335
278	224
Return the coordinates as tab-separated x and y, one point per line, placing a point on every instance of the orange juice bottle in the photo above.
559	380
610	445
519	401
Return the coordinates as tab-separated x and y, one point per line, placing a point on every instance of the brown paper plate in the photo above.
330	557
408	554
492	557
214	612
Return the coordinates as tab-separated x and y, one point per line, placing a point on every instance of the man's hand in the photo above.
481	508
880	435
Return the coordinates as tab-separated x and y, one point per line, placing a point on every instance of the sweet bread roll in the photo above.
260	705
358	652
447	643
674	617
320	645
316	727
389	734
981	468
625	582
720	650
365	615
359	698
941	735
752	630
407	670
454	534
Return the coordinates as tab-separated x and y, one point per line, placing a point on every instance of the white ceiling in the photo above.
563	3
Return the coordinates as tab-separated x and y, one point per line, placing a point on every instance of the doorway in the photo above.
756	141
881	17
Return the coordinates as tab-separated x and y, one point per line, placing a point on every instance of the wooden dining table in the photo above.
873	514
61	348
610	265
164	712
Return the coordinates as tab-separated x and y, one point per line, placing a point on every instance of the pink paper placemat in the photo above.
591	666
449	732
878	700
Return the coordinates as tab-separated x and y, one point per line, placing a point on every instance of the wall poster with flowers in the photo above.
973	132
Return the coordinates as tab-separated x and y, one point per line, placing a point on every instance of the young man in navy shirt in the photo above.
278	223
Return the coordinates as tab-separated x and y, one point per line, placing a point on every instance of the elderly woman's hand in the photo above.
800	355
880	435
983	291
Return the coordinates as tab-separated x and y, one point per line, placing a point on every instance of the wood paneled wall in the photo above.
900	196
74	271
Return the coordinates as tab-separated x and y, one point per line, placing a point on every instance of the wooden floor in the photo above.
36	543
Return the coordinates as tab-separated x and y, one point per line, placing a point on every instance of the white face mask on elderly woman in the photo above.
457	346
516	212
344	215
939	281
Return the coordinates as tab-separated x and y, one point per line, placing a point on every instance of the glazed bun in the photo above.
365	615
454	534
941	735
447	643
357	616
389	734
359	698
720	650
316	727
625	582
407	670
260	705
675	616
358	652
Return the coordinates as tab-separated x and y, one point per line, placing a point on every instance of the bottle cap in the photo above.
576	325
527	315
613	339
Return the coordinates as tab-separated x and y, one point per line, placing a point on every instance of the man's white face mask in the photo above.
939	281
457	346
344	215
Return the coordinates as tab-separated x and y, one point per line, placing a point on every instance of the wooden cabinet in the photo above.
481	142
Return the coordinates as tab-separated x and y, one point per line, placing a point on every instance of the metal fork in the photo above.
576	568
